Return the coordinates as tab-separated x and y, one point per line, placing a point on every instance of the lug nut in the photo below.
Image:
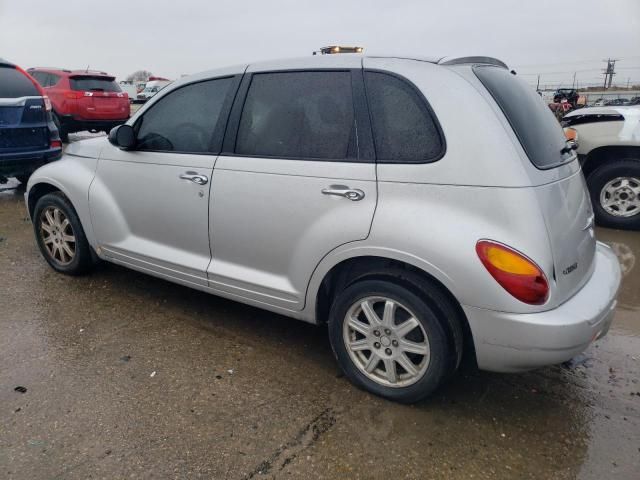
388	351
376	333
377	345
395	343
387	331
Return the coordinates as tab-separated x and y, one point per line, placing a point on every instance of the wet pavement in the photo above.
128	376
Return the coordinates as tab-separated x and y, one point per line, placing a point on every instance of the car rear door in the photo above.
23	121
296	179
150	205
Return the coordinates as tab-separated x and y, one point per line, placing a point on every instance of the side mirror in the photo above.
123	137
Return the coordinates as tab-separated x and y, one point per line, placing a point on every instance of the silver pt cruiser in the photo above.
422	208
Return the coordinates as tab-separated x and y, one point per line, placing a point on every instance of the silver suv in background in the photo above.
346	190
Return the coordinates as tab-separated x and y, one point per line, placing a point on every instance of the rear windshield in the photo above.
14	84
95	84
532	121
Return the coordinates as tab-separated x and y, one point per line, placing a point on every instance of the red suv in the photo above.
83	99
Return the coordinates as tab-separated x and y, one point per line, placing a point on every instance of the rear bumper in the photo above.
20	163
511	342
77	125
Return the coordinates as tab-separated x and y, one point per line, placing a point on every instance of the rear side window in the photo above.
14	84
404	130
95	84
531	120
52	79
41	77
185	119
298	115
46	79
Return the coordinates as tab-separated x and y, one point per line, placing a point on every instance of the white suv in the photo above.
355	191
608	140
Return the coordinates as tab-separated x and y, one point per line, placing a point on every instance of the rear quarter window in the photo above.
404	129
532	121
97	84
14	84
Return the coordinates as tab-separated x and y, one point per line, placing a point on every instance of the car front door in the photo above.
150	205
296	179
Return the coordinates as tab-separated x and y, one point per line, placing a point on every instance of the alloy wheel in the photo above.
386	341
57	235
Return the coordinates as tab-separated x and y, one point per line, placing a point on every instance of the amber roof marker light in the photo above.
333	49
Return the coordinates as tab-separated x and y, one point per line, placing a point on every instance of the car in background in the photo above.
634	101
608	140
614	102
28	136
151	88
83	99
571	95
130	89
598	103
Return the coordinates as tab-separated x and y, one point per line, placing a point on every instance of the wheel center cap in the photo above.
385	341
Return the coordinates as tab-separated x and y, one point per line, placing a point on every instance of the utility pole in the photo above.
573	85
609	72
538	85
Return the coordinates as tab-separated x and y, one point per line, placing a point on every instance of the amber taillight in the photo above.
517	274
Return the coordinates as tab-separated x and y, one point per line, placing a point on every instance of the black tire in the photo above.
597	180
62	131
440	364
82	260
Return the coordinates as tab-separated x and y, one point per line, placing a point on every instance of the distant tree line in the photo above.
139	76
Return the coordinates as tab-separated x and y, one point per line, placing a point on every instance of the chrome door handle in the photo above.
353	194
195	178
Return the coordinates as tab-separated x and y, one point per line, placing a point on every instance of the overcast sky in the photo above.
171	38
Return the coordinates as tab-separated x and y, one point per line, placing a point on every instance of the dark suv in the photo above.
83	99
28	136
570	94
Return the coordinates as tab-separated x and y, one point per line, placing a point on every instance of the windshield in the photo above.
532	121
96	84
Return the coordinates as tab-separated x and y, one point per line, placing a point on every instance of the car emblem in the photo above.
570	269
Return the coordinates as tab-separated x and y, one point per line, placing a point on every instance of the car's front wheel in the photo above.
60	236
389	341
615	194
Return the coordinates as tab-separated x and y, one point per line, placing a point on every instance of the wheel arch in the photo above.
599	156
410	272
39	190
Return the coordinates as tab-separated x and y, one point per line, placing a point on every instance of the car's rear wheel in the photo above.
615	194
60	236
62	131
389	341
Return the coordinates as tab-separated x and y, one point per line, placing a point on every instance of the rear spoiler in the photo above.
92	75
472	60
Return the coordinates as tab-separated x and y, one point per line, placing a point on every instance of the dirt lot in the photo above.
128	376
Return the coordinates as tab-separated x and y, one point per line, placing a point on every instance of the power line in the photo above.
571	63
